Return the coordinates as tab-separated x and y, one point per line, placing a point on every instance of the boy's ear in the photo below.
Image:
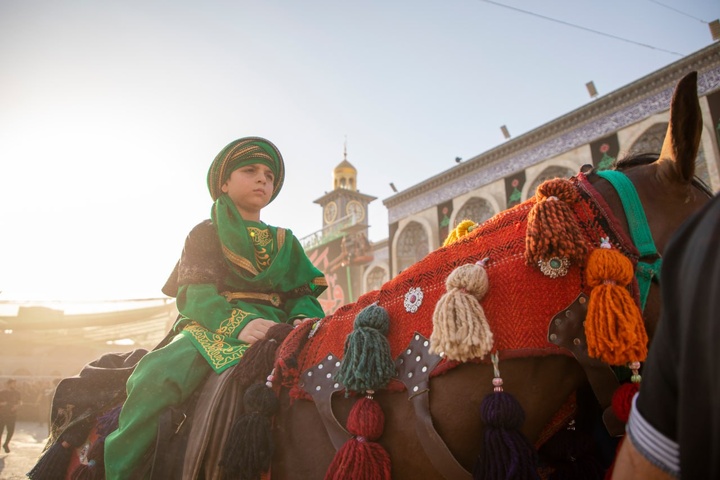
224	187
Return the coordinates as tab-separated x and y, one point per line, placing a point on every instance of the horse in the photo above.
431	412
542	384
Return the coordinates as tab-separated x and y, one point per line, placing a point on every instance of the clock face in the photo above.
330	212
356	209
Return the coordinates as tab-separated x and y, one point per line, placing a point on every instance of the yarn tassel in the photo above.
457	233
249	447
552	230
507	454
460	329
53	464
94	469
258	360
55	460
361	457
614	326
286	369
367	363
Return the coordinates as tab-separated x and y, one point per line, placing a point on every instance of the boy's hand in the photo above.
255	330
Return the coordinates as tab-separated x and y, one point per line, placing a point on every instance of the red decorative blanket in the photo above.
520	302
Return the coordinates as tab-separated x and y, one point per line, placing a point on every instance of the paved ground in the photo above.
25	448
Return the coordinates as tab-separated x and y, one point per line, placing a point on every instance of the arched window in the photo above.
651	142
476	209
547	174
375	279
412	245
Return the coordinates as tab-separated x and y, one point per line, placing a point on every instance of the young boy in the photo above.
235	279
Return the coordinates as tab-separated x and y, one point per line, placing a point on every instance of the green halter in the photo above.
639	231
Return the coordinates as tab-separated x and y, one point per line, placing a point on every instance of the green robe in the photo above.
274	265
238	257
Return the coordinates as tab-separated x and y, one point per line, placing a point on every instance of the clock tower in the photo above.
343	248
345	204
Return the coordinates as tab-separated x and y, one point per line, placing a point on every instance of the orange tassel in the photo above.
614	326
552	230
463	228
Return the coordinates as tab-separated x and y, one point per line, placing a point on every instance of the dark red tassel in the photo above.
249	447
286	365
361	457
258	360
507	454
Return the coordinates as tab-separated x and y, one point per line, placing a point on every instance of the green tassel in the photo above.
367	363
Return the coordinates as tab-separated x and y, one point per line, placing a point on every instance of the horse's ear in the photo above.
682	139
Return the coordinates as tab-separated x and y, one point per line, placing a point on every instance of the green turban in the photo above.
241	152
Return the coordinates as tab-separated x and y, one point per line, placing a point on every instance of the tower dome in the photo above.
345	175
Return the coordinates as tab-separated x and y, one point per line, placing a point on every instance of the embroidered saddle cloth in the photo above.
519	304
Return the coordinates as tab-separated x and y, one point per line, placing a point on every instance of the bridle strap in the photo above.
639	231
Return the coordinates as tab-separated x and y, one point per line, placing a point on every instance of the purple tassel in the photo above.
108	422
507	454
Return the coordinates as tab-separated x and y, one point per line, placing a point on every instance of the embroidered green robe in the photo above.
274	266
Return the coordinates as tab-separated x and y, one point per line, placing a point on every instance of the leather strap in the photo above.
413	367
566	330
318	382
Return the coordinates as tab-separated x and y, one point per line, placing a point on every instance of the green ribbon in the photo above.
639	231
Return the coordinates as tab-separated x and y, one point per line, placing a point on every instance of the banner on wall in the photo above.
714	104
444	212
604	151
513	188
328	259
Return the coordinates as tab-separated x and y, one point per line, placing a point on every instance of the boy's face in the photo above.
250	188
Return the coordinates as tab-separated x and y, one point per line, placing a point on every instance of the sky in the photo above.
112	111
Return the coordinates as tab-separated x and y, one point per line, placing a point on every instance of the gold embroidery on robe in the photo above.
262	241
219	352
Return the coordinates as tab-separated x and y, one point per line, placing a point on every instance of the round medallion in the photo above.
555	267
413	299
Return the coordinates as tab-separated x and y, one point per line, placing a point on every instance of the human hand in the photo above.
255	330
297	321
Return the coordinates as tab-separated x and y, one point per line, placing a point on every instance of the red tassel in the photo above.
622	400
361	458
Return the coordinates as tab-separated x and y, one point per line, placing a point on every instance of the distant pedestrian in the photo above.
9	404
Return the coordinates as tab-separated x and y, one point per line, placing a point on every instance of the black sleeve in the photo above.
201	260
680	388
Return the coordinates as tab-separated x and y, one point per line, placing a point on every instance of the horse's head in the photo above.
665	183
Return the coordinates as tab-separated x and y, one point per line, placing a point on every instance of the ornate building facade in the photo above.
632	119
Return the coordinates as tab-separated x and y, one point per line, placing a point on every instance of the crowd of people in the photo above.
35	395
